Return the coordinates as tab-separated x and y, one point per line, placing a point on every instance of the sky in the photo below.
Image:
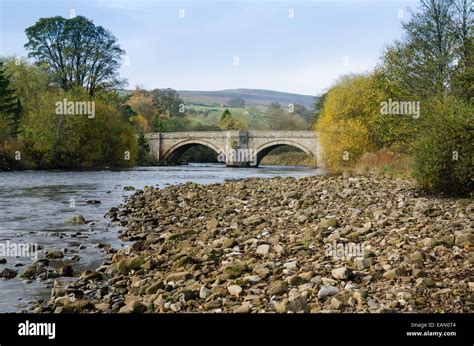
291	46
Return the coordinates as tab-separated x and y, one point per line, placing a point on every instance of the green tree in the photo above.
274	111
463	79
462	26
10	108
434	48
177	124
318	102
428	34
444	152
76	52
199	126
225	114
168	102
144	158
306	114
230	122
318	105
275	105
51	139
237	102
158	123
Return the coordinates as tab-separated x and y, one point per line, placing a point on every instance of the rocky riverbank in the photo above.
319	244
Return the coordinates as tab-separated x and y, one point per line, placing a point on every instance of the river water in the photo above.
35	204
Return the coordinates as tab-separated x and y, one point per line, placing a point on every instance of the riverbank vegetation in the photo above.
74	65
63	109
288	156
413	114
66	107
163	110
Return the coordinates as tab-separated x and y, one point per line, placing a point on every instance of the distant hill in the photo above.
251	97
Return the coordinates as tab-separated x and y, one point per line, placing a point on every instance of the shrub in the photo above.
343	142
343	124
389	162
12	156
443	153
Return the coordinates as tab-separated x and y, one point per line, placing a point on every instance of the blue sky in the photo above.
228	44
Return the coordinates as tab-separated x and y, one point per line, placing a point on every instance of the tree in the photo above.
318	105
140	123
274	110
142	103
435	47
237	102
275	105
431	70
128	112
10	108
76	52
429	34
342	123
462	26
443	152
318	102
199	126
158	124
229	122
177	124
144	158
344	141
165	123
168	102
305	114
56	140
225	114
463	80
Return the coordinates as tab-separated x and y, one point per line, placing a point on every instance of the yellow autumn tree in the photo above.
142	103
230	122
140	123
343	141
343	122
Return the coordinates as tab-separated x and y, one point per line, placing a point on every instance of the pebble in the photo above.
234	290
245	246
327	291
341	273
263	249
277	288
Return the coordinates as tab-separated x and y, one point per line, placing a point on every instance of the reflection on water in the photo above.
35	204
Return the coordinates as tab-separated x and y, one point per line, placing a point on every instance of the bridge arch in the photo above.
169	146
174	153
266	148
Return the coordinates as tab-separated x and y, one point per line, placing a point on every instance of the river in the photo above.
35	204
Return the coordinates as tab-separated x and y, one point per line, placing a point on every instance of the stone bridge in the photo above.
235	148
